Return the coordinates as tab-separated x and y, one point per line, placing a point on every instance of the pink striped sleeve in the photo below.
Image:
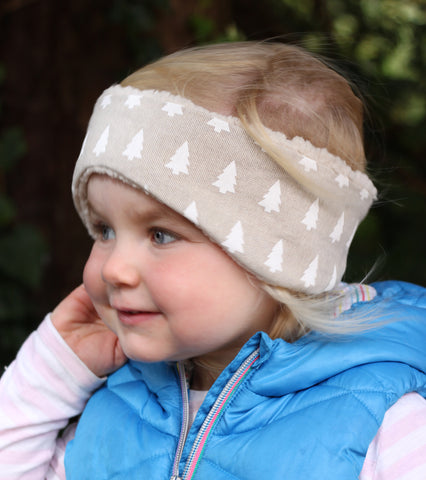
398	451
45	386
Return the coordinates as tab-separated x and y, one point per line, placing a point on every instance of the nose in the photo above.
120	269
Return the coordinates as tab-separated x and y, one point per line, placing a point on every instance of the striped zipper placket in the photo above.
185	421
214	415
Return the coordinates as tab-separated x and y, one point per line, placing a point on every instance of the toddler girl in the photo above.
213	338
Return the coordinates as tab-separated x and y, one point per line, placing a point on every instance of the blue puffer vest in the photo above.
306	410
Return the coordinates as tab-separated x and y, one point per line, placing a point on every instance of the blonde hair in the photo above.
284	88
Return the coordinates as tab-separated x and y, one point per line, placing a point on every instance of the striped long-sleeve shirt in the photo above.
47	385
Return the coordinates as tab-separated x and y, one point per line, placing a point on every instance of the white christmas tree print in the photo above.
235	239
364	194
133	101
102	143
338	229
179	162
272	199
191	212
332	281
311	217
310	274
342	180
348	243
106	100
227	179
275	258
219	124
134	148
308	164
172	109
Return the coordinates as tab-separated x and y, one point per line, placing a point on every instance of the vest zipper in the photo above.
215	413
212	417
185	421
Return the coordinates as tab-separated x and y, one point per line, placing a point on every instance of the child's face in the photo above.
166	290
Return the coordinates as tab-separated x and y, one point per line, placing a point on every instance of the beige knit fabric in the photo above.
206	167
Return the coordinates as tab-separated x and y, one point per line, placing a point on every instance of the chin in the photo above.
146	357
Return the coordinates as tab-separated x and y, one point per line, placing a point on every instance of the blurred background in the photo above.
56	57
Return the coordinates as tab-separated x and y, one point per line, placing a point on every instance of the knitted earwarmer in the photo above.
206	167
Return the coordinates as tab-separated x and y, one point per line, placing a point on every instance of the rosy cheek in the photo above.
92	277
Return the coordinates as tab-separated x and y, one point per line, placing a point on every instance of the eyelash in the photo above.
162	231
101	228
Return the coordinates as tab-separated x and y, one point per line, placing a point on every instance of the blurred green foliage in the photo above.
138	19
22	248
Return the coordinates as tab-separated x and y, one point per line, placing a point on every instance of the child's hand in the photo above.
76	320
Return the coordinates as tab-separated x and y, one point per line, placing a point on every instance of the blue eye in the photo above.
162	237
107	233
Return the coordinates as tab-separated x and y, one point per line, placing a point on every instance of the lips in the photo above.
135	317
